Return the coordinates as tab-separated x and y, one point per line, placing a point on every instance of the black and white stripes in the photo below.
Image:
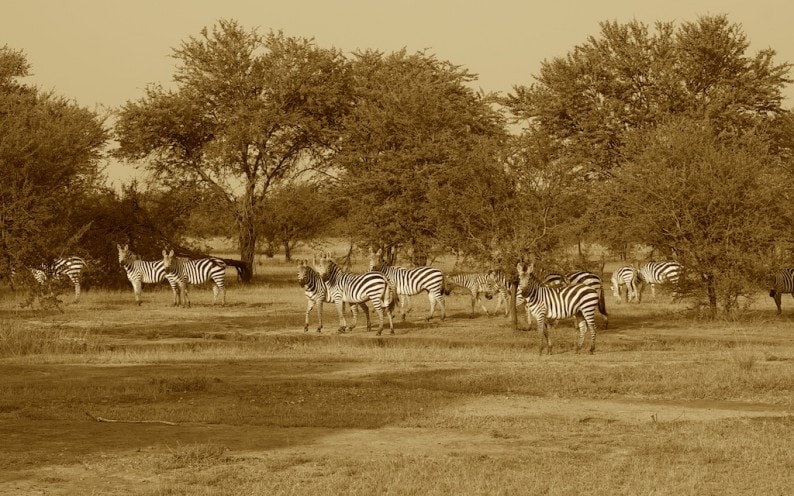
782	282
70	267
196	271
476	283
655	273
140	272
351	288
409	282
542	302
625	276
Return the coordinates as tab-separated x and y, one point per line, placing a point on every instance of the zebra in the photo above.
625	276
502	289
140	272
783	283
352	288
655	273
476	283
196	271
409	282
544	302
70	267
317	293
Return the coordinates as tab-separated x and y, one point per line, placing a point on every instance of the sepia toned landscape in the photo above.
110	398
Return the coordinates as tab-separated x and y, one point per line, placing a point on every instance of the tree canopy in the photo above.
248	111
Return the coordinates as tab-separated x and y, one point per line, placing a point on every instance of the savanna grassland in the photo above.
109	398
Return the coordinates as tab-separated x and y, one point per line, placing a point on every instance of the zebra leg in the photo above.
341	311
136	289
309	306
365	309
402	299
76	282
582	332
778	298
319	317
379	309
215	291
543	333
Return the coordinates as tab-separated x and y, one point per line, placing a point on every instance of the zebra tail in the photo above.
602	304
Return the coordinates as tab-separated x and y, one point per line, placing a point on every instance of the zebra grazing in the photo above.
625	276
316	294
140	272
655	273
352	288
409	282
544	302
783	283
477	284
196	271
70	267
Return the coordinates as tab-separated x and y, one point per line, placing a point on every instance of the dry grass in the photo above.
460	407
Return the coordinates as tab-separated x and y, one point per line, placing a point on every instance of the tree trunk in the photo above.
287	251
712	294
247	239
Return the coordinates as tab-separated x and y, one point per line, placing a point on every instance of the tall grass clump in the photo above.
18	340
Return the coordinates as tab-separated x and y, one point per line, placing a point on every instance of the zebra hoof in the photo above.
341	330
305	328
319	330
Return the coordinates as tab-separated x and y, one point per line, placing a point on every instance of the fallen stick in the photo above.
103	419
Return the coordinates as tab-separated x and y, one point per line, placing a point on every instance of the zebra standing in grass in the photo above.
543	303
352	288
70	267
409	282
625	276
196	271
140	272
502	289
783	283
655	273
476	283
317	293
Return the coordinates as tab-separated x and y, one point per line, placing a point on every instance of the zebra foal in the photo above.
544	302
783	282
195	271
409	282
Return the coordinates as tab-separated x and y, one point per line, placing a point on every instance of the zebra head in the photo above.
303	272
325	267
124	253
526	278
168	262
376	261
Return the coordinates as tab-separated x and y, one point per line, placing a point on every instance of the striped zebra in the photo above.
543	302
625	276
783	283
654	273
317	293
140	272
502	290
476	283
196	271
70	267
409	282
353	288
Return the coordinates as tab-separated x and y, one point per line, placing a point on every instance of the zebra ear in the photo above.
171	254
164	253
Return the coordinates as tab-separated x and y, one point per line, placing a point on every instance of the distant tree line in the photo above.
672	137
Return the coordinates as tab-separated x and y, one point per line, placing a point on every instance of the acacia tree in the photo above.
711	203
50	152
248	111
415	120
630	77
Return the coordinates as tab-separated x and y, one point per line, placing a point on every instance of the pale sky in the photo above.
104	52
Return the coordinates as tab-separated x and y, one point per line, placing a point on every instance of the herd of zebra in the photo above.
548	297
